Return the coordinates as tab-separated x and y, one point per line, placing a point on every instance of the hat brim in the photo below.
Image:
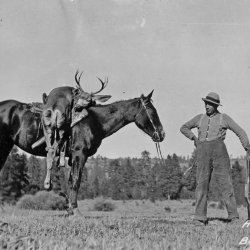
207	100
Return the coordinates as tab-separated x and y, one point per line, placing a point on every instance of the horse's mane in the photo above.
116	102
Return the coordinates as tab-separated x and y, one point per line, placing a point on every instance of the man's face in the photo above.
210	108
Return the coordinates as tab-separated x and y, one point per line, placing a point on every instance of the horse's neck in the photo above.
117	115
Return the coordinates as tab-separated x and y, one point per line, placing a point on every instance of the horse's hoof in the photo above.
62	162
70	211
77	212
48	186
74	212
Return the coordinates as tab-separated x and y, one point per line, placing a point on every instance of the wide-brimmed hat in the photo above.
212	98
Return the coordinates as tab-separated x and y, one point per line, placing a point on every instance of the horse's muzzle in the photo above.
158	136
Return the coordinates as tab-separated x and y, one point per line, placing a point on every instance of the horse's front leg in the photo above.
79	159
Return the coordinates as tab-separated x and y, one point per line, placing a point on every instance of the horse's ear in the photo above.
148	97
45	97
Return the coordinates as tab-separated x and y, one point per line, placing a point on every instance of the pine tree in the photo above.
127	173
116	187
58	179
35	173
162	179
170	177
137	190
96	187
116	182
177	177
85	191
148	182
104	188
190	181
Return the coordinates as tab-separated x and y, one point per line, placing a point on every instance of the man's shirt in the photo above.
214	127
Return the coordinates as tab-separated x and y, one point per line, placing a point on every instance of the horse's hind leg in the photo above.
6	145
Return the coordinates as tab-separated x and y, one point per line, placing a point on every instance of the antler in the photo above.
104	84
78	79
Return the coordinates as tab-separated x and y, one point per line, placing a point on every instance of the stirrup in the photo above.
62	159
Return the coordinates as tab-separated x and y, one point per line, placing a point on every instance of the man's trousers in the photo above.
212	157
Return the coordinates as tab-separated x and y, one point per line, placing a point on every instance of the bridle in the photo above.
157	144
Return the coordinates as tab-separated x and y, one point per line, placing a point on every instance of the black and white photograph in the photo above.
124	124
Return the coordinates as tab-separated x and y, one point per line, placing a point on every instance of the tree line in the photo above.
119	179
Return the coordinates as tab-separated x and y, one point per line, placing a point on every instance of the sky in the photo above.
183	49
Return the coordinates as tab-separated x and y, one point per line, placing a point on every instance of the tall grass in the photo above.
132	225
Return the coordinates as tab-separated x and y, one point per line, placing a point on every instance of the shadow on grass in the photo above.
59	215
224	220
190	221
78	216
171	222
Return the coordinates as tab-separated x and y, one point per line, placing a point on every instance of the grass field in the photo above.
132	225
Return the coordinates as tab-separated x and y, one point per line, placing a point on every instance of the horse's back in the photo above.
7	109
20	123
8	104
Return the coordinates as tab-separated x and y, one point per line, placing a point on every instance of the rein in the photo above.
157	144
158	149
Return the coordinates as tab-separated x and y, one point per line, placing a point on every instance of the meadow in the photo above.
131	225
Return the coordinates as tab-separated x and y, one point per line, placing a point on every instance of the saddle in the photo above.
36	107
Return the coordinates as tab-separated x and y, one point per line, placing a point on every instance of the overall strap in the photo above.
221	119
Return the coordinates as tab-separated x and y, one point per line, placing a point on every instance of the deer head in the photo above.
86	99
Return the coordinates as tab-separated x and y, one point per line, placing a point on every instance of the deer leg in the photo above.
51	151
47	181
79	160
50	133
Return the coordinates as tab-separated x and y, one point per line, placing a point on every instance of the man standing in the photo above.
212	156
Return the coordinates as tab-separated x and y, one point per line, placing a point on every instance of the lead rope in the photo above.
157	144
158	149
191	169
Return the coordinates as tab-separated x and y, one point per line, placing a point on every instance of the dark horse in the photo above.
20	125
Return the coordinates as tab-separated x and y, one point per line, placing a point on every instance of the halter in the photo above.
157	144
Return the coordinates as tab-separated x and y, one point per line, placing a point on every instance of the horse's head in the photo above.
148	120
